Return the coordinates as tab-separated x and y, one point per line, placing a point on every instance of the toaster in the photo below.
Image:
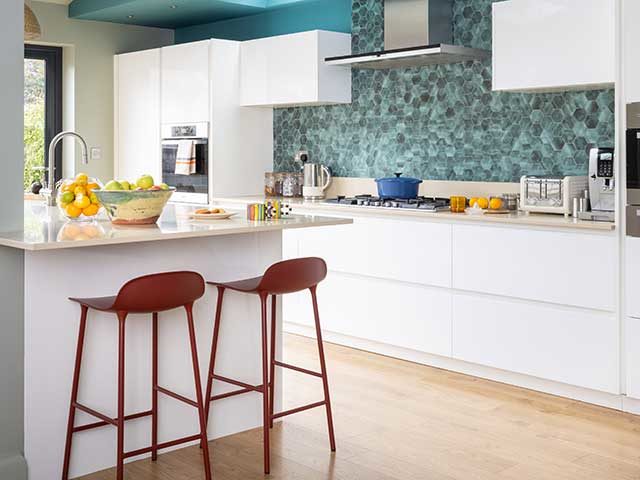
548	194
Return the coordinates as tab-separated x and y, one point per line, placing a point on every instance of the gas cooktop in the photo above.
429	204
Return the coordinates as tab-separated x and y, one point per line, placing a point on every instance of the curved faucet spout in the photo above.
50	191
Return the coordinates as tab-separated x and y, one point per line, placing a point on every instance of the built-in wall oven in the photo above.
185	161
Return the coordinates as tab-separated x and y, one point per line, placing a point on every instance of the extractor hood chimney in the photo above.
416	33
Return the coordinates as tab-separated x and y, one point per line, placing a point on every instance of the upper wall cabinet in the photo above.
631	40
185	83
553	45
289	70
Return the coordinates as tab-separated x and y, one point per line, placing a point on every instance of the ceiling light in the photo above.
31	25
129	17
173	7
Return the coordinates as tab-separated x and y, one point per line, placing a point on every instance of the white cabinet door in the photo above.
403	315
632	356
137	116
568	345
185	83
408	251
558	267
289	70
631	39
553	44
632	276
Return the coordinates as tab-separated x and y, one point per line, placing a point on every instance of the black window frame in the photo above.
53	99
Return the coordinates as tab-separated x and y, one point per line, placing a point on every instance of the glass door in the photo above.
42	110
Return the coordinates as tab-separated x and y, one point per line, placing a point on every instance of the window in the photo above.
42	110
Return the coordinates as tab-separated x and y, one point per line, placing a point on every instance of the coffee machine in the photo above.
602	186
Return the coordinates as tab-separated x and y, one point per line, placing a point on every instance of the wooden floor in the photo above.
400	421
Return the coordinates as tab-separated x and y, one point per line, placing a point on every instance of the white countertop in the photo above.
46	229
515	219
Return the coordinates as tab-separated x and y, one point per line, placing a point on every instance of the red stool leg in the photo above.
272	363
265	385
154	389
323	366
122	316
198	385
74	392
212	359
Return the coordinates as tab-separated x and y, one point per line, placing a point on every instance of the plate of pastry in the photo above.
211	214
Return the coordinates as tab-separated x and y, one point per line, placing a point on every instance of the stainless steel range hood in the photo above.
416	33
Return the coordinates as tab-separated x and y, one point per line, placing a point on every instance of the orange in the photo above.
82	179
91	187
79	190
91	210
495	204
483	203
73	211
69	186
82	201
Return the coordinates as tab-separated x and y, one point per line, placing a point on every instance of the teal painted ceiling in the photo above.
172	13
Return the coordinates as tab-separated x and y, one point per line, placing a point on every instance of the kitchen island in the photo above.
83	260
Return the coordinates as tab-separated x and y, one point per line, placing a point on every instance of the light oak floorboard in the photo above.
397	420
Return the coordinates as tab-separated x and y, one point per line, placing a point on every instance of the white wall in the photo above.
12	463
88	76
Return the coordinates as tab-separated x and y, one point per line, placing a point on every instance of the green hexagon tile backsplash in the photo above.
443	122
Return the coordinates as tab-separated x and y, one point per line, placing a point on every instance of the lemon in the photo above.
69	186
91	210
483	203
73	211
94	198
67	197
91	187
473	201
82	201
80	190
82	179
495	204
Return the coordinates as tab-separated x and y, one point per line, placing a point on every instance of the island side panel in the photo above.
51	327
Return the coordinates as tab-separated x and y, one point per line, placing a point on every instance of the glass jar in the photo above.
269	184
289	184
278	180
76	200
458	204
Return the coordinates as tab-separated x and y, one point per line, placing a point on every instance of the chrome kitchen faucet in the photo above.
50	192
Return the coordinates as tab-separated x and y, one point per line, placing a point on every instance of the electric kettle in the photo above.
317	179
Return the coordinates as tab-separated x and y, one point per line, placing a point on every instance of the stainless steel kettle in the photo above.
317	179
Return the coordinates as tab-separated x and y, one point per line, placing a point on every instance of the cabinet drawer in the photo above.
409	316
558	267
577	347
410	251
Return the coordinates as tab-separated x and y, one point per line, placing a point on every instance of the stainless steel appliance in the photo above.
602	186
427	204
185	161
317	179
633	169
550	194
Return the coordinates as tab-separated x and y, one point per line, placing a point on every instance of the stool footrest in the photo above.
231	394
231	381
298	409
94	413
103	423
172	443
177	396
297	369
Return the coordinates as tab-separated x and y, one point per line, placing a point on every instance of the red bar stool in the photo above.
284	277
148	294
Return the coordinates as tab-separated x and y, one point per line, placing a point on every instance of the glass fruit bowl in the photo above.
134	207
76	198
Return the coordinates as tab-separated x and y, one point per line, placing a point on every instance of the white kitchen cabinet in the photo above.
403	315
631	40
185	83
406	251
289	70
632	276
574	346
137	114
632	356
545	45
566	268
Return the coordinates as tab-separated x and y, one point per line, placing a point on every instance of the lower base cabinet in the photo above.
564	344
632	337
400	314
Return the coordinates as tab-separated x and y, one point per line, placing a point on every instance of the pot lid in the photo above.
399	178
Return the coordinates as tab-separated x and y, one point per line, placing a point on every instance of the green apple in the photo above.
125	185
164	186
113	185
145	182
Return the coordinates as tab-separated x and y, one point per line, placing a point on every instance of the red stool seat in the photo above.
284	277
148	294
